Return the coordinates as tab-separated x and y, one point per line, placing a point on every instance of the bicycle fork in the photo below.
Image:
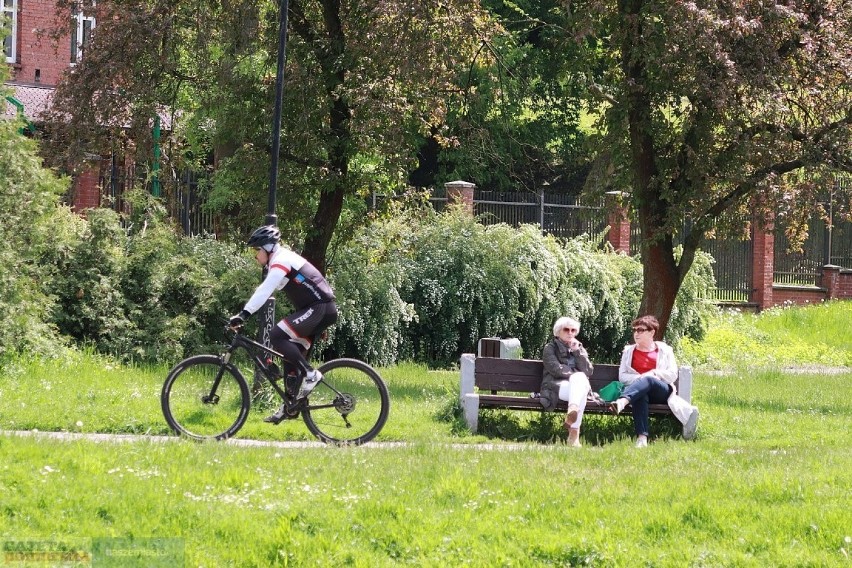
212	397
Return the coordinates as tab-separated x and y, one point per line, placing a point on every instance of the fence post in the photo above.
460	193
831	281
618	220
86	187
763	261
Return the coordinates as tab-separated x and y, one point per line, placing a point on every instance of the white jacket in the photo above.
666	371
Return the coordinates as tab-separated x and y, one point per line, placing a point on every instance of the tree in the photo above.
515	119
712	111
362	79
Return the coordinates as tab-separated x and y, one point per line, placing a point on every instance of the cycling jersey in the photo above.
299	279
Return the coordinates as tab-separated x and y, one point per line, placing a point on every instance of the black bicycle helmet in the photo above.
265	235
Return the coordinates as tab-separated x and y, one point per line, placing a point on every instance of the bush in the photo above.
135	288
32	224
421	286
414	285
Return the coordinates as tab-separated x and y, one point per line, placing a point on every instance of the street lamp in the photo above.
267	315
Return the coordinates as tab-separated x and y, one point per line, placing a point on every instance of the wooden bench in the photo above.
488	382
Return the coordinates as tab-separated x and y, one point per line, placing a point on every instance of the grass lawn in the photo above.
766	483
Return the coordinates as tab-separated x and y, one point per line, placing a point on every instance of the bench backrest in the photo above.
524	375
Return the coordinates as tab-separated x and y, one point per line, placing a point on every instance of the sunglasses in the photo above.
570	329
640	329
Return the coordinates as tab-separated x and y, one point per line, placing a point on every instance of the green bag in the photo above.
611	391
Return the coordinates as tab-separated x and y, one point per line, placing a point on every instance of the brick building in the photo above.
37	61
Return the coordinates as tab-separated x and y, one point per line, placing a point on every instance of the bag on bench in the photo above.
611	391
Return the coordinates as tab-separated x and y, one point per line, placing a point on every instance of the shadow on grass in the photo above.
546	427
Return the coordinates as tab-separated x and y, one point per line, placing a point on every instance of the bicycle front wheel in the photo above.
349	406
205	398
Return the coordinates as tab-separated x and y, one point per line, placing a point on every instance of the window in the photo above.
81	31
9	17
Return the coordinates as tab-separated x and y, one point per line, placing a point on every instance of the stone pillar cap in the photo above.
459	183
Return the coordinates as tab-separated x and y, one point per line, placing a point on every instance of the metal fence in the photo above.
555	214
732	268
566	217
732	265
558	215
182	194
116	178
185	203
828	241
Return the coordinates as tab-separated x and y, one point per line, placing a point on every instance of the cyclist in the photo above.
308	292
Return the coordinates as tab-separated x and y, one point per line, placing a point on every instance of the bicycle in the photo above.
206	397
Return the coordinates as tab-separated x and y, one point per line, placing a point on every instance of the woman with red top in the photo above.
648	370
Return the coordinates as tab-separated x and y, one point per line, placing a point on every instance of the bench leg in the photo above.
470	406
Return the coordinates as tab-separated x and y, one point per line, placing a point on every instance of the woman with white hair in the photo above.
566	375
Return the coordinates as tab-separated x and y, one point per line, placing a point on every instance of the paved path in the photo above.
129	438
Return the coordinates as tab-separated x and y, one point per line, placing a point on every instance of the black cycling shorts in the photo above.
304	325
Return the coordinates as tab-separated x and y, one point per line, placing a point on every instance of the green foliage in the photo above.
426	287
32	224
785	336
414	285
136	289
514	121
90	303
693	307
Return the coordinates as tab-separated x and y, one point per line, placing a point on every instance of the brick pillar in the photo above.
831	281
460	193
87	191
763	261
619	222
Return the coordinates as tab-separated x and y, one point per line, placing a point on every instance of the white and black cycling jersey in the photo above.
299	279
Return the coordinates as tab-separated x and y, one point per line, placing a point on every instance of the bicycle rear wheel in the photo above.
349	406
204	398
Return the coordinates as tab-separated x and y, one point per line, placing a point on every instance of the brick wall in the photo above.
844	287
618	221
837	282
86	190
796	295
41	59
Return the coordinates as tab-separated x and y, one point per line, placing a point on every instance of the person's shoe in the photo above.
278	416
619	405
642	442
571	416
691	424
311	380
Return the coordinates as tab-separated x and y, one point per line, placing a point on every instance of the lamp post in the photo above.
267	315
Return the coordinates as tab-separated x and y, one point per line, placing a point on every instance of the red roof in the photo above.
35	99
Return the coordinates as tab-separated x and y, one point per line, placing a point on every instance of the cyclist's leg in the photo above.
301	327
292	349
293	337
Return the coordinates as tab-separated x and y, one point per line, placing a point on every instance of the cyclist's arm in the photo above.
273	281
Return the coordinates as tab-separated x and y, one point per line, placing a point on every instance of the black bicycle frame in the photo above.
255	351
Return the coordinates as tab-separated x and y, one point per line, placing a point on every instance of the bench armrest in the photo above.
684	383
467	382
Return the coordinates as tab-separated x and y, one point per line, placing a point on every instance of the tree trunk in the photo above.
660	282
331	201
325	221
660	276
